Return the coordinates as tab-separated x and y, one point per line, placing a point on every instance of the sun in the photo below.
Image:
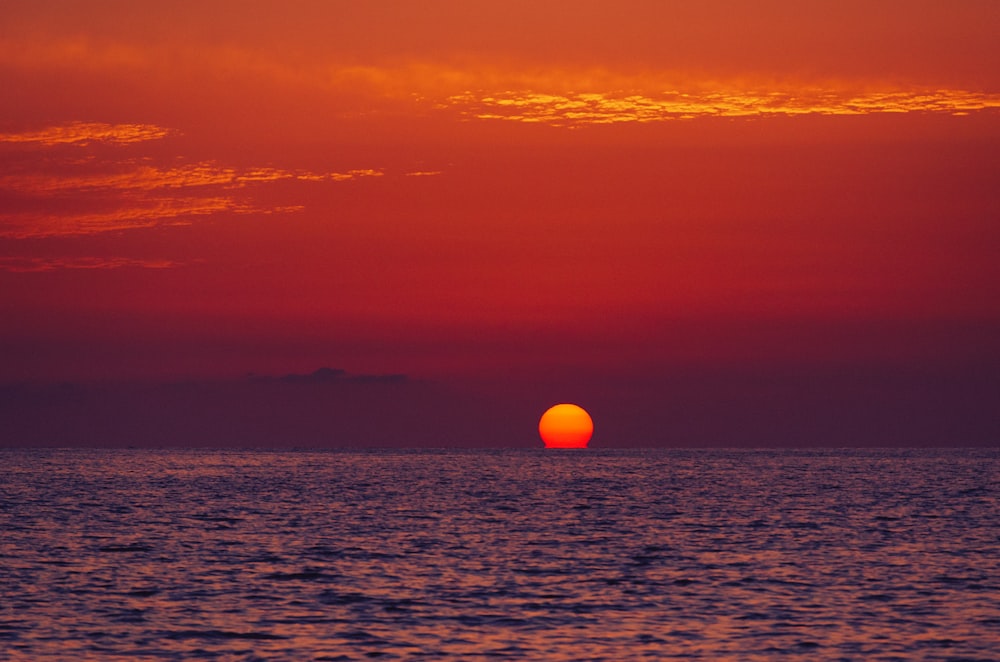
566	426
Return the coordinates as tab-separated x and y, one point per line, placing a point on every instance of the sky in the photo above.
712	223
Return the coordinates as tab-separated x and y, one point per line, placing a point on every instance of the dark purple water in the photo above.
543	555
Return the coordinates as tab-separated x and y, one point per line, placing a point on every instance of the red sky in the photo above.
548	200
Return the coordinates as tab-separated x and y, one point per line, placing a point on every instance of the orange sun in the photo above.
566	426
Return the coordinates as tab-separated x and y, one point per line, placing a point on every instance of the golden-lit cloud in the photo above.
85	133
38	264
353	174
70	196
480	87
604	89
142	177
607	108
145	213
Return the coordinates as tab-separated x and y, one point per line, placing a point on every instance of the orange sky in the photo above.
509	191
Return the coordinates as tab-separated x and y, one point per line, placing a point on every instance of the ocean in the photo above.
500	554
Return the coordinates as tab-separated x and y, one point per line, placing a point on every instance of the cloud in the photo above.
333	376
108	194
610	108
150	213
322	375
147	178
85	133
481	87
38	264
354	174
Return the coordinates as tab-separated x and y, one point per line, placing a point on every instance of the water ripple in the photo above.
722	555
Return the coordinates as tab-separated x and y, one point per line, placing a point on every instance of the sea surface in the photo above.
500	554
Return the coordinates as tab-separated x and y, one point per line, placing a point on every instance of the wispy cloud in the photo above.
85	133
148	178
353	174
39	264
80	196
609	108
482	88
140	214
599	96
